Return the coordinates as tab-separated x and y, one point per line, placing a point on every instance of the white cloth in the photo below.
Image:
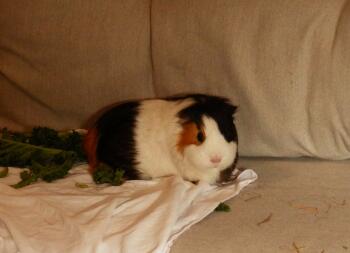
139	216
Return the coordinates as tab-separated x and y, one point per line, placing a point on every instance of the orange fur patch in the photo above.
188	136
90	146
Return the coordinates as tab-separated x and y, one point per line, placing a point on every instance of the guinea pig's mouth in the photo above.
216	167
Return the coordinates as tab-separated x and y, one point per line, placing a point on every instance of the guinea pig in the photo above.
193	136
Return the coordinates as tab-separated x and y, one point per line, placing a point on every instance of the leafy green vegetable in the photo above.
45	163
4	171
70	141
105	174
222	207
47	137
47	155
20	137
27	178
50	138
18	154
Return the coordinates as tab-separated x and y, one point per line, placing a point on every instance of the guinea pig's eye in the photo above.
200	136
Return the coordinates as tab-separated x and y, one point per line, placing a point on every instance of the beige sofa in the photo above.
285	63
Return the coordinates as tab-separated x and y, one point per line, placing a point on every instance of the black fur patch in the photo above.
116	145
218	108
226	175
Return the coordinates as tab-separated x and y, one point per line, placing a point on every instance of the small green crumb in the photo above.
222	207
81	185
4	171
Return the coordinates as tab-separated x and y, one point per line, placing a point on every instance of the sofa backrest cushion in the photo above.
62	60
285	63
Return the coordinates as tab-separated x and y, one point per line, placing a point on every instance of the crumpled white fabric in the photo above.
139	216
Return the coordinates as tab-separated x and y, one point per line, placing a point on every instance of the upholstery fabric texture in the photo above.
60	61
285	63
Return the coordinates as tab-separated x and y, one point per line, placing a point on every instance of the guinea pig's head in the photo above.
208	139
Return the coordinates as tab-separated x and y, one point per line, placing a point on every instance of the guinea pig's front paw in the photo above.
229	176
229	181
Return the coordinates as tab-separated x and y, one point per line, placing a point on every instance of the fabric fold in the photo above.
139	216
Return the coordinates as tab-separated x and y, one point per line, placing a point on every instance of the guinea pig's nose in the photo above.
215	159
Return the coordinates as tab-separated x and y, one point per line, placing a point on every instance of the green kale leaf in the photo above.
105	174
222	207
47	154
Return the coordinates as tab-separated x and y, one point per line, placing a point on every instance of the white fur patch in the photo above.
157	130
157	133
